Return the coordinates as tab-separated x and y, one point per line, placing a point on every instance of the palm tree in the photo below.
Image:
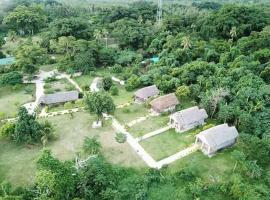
97	35
186	42
233	33
105	34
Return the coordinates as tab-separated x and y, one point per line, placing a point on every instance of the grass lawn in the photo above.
216	168
17	163
167	143
70	133
11	98
84	81
149	125
48	68
61	85
129	113
123	96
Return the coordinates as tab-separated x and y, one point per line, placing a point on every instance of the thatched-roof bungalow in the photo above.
145	93
187	119
166	103
216	138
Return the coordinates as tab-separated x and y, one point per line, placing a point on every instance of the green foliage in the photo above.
29	56
120	137
91	146
11	78
107	83
182	92
114	90
133	82
98	103
26	20
27	129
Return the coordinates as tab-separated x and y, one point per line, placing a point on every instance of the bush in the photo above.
91	145
11	78
68	105
133	82
182	92
120	138
79	103
117	69
114	90
107	83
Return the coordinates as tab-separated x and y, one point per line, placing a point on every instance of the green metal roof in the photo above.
7	61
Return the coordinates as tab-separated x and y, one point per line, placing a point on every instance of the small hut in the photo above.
187	119
166	103
145	93
216	138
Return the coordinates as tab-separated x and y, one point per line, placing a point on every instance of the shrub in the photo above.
120	138
133	82
79	103
68	105
114	90
11	78
117	69
107	83
182	92
91	145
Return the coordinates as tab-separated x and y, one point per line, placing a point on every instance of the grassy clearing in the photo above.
84	81
13	97
149	125
216	168
123	96
48	68
129	113
17	163
167	143
61	85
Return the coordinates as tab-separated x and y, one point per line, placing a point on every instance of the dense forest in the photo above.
219	53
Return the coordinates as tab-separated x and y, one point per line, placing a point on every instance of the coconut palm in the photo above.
233	33
105	34
186	43
97	35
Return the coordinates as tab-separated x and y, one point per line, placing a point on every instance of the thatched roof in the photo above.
59	97
189	116
218	136
165	102
146	92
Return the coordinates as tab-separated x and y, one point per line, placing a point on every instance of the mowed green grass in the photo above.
167	143
149	125
84	81
216	168
123	96
131	112
11	99
17	163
